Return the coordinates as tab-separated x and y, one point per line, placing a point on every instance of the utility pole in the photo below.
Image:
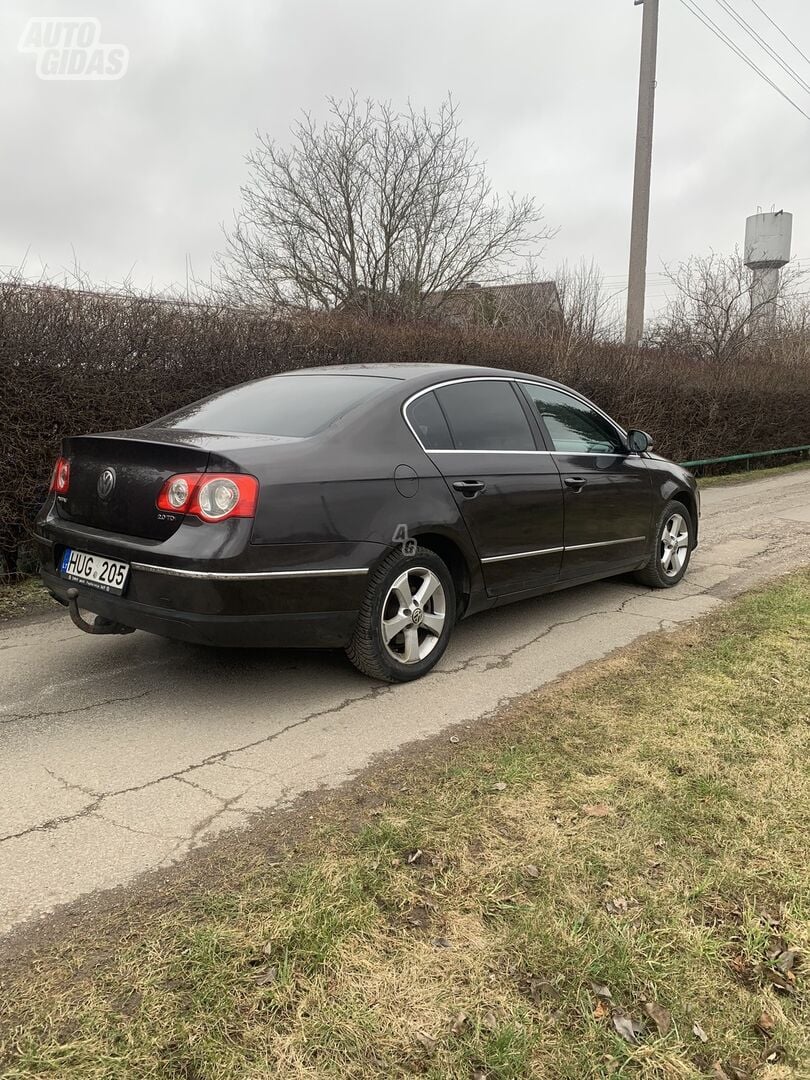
637	278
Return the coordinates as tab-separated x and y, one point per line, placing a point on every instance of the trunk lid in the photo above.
115	480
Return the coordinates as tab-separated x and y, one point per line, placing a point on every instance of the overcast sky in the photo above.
137	175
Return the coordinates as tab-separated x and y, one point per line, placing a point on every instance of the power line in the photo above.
776	26
707	21
758	39
723	36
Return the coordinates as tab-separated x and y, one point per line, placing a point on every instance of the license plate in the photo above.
106	574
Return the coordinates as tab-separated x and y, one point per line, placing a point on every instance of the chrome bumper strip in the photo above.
206	575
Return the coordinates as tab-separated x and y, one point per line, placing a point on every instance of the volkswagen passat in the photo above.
365	507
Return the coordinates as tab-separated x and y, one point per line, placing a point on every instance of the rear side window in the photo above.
574	427
485	415
427	420
291	405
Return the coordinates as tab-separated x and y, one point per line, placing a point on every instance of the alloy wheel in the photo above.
413	615
674	545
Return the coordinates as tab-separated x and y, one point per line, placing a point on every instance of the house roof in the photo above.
539	297
516	288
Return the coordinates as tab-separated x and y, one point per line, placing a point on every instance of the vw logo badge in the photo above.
106	483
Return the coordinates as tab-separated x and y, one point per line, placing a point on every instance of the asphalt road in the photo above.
118	755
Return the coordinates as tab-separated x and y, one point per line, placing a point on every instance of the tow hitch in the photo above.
99	625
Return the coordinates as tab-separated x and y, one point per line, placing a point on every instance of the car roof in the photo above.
387	371
423	374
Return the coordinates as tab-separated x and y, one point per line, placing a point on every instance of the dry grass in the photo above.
24	597
645	827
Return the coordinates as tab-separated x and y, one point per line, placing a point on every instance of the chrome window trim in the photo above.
206	575
509	379
550	453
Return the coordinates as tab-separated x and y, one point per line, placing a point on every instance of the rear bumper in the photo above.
310	629
302	596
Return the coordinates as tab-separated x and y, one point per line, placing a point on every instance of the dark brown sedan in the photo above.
365	507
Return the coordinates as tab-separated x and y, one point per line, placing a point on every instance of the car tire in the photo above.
671	552
396	640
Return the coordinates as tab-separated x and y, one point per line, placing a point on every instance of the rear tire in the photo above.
674	540
406	618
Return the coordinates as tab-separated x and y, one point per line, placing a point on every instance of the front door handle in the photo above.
576	483
469	488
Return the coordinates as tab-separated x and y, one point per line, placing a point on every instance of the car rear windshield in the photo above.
291	405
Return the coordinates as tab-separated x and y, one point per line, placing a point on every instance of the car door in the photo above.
607	490
478	433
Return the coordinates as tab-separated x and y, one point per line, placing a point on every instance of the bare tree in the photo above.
790	344
589	312
713	313
371	210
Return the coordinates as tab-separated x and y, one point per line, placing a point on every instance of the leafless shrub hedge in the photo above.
74	361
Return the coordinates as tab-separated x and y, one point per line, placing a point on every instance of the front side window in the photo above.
574	427
485	415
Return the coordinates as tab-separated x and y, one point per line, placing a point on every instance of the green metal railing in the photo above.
746	457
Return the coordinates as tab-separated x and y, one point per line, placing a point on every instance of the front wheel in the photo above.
674	540
406	618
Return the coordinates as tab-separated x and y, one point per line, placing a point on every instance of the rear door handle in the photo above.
576	483
469	488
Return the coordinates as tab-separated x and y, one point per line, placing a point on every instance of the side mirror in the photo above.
639	441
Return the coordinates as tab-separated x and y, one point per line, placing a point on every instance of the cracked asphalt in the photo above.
118	755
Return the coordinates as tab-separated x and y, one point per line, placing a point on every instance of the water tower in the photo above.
767	250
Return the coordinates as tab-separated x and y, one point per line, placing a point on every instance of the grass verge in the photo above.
752	474
608	879
24	597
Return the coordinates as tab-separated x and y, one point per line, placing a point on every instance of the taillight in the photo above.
177	491
225	496
60	480
210	497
